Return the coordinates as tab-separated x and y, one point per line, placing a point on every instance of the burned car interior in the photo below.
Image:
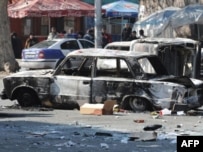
179	55
97	67
179	58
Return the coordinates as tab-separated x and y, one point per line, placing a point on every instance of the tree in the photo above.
8	62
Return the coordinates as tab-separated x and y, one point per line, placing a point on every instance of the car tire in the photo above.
138	104
27	98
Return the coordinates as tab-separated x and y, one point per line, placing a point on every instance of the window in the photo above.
146	66
77	66
86	44
112	67
70	45
43	44
124	48
44	25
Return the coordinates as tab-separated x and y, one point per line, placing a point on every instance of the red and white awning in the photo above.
50	8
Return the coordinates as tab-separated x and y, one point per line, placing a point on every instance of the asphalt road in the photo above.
51	130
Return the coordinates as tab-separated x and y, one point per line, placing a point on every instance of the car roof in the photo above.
63	39
100	52
124	43
169	40
174	41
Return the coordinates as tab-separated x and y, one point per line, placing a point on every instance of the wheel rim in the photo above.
137	104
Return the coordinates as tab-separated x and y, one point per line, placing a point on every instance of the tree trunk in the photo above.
8	62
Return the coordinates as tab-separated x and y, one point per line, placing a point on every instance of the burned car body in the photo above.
136	80
180	56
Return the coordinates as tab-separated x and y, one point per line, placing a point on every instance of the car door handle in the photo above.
86	82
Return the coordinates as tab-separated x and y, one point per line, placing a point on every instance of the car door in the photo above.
85	43
69	46
72	81
112	80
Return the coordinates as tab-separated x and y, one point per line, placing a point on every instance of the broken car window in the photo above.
146	66
112	67
77	66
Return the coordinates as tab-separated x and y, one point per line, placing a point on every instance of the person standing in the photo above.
126	32
133	36
106	37
71	34
80	35
89	35
53	34
30	41
141	33
16	45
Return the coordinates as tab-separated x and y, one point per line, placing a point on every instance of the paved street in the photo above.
51	130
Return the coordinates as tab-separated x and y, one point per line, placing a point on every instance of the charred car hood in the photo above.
183	80
33	73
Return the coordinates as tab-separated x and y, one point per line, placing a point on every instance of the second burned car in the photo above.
136	80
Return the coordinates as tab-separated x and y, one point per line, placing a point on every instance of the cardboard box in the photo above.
98	108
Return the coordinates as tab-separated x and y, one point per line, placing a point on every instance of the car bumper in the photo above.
38	64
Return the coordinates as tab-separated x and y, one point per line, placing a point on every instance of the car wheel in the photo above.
138	104
27	98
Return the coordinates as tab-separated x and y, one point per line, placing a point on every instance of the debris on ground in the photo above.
152	127
143	136
139	120
98	108
180	107
32	108
164	112
103	134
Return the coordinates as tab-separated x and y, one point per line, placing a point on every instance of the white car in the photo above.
179	55
102	75
49	53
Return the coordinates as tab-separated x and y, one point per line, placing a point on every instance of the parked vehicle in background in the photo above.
136	80
181	56
123	45
49	53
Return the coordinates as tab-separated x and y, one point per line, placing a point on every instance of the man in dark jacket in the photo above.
16	45
126	32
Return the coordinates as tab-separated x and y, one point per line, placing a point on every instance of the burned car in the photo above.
180	56
136	80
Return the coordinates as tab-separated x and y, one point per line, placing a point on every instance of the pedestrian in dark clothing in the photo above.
141	33
16	45
71	34
80	35
30	41
89	35
106	37
126	32
133	36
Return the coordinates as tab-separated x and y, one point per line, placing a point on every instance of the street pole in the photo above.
98	23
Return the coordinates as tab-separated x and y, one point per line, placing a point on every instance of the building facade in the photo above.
40	26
